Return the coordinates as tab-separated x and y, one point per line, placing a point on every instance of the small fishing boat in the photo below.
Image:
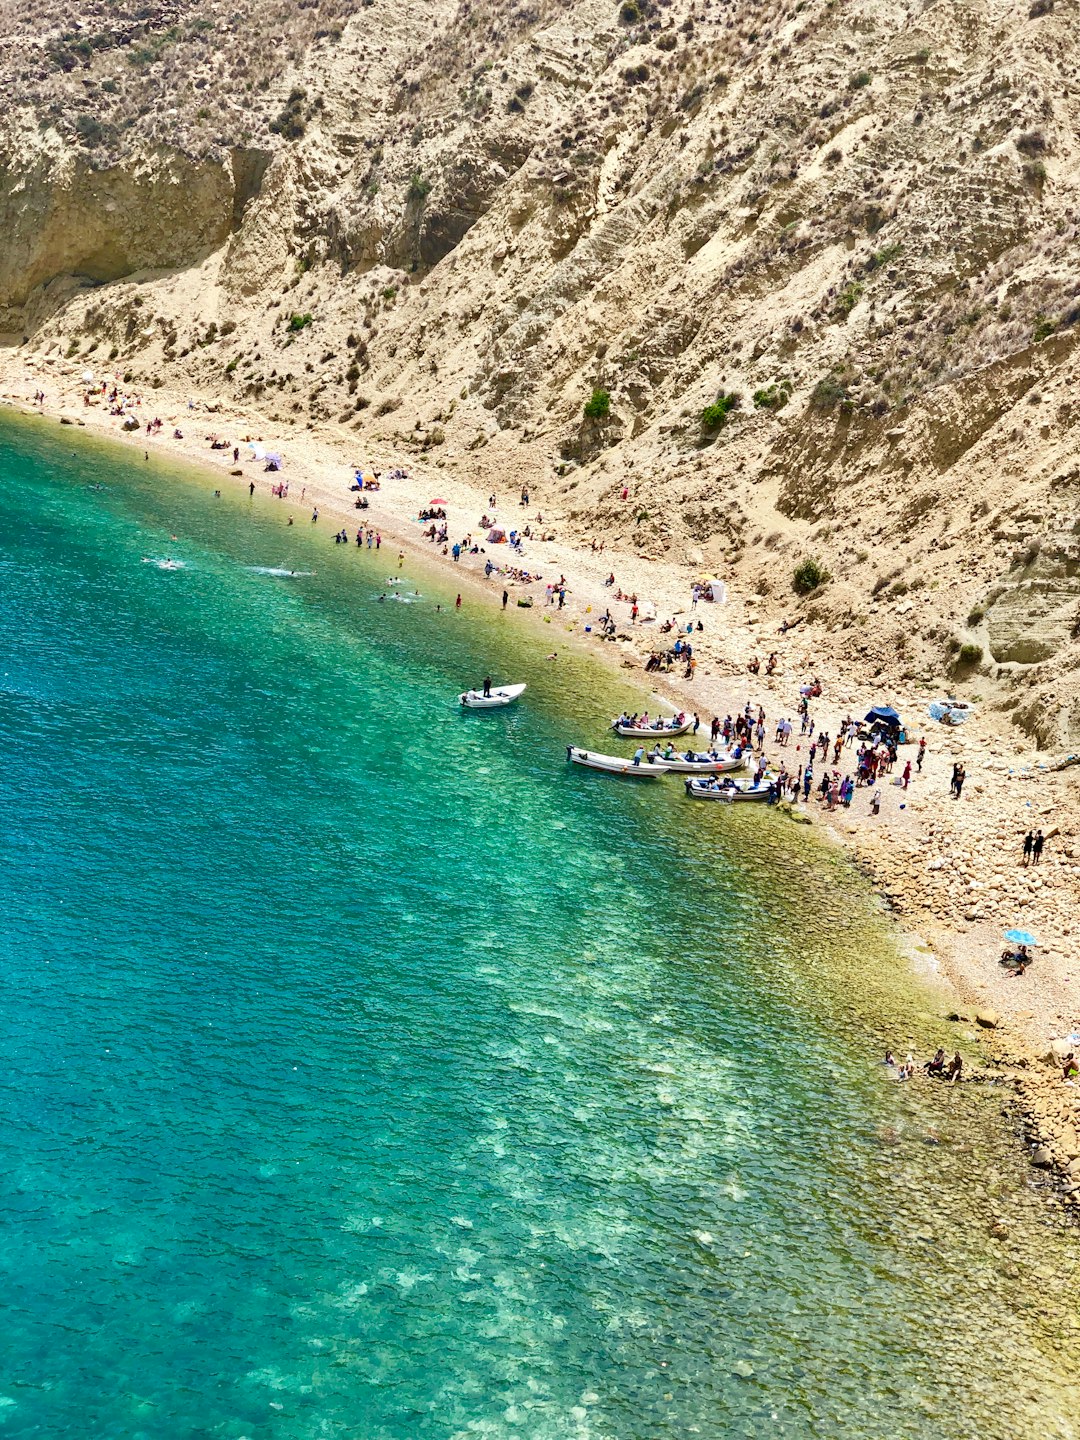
616	764
700	763
656	729
500	695
731	791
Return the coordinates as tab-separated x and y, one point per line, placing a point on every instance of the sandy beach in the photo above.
950	870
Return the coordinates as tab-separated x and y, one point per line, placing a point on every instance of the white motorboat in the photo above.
500	695
730	791
655	730
701	763
617	764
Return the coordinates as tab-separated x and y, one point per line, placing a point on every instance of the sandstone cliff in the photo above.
816	261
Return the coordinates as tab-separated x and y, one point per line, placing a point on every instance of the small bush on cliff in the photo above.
847	300
773	397
299	322
831	391
598	405
419	188
809	576
969	654
290	123
714	416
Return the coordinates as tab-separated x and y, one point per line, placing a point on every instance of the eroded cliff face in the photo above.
822	259
63	218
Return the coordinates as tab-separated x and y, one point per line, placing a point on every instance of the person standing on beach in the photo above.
315	515
457	603
922	752
251	488
907	774
506	597
1029	842
958	780
1037	846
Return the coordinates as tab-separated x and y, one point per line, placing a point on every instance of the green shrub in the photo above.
831	391
714	416
969	654
860	80
883	257
774	396
90	130
975	614
289	122
1044	328
809	576
598	405
847	300
299	322
419	188
231	366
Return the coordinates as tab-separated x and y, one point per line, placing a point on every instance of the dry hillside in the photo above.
814	263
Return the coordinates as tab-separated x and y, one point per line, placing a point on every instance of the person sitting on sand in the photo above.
956	1065
1070	1070
937	1065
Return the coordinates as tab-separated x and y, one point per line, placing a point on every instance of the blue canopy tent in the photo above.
883	715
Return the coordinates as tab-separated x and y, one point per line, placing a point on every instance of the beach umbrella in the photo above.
438	502
1021	937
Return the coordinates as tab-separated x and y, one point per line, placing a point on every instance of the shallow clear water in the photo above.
368	1073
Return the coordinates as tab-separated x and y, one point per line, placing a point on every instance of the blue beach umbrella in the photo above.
1021	937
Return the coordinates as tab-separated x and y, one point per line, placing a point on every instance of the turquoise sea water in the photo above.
367	1073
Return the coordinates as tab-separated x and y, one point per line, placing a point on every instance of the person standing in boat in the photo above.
639	754
487	687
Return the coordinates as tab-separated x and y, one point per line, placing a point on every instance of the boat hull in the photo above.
499	698
704	767
730	795
615	764
651	732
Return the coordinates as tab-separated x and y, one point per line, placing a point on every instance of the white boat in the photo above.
617	764
702	764
660	729
731	792
500	695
